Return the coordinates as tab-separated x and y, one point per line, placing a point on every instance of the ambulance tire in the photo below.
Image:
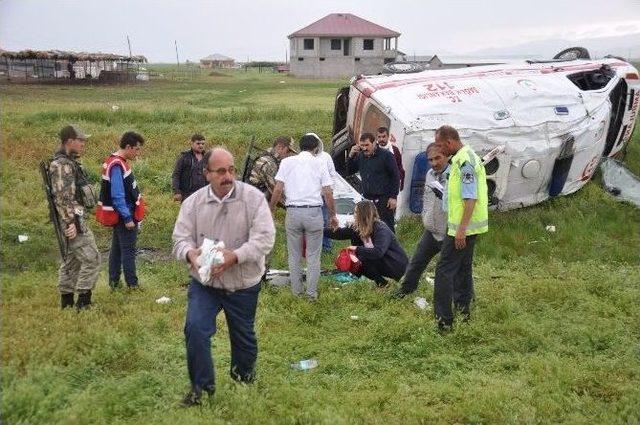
573	53
403	68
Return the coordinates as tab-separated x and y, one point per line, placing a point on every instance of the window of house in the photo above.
308	43
300	59
367	44
321	59
336	44
387	44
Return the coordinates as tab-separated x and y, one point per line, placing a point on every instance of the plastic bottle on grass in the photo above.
305	364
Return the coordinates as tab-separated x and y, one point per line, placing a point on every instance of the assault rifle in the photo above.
53	212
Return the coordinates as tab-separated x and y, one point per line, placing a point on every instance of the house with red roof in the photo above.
341	45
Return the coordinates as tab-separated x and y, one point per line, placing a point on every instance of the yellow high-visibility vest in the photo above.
479	222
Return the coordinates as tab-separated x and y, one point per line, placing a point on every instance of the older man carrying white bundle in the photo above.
237	214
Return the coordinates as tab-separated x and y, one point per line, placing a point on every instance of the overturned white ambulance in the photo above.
550	121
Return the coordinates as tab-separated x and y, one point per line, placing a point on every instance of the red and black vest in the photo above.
105	213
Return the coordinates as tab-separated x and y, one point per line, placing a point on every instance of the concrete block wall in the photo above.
322	62
335	67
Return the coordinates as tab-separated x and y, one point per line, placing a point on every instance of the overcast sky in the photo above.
258	29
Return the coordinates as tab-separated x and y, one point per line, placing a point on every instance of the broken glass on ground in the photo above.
619	181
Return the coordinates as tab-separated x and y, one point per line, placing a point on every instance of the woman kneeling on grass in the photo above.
374	244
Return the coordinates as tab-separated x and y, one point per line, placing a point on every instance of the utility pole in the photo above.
129	43
177	58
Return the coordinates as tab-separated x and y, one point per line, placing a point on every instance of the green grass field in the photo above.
555	335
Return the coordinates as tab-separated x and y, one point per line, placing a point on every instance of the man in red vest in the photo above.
122	208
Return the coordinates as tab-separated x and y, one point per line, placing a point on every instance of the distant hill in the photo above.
627	46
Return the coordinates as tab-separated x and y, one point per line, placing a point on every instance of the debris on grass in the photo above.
163	300
23	238
551	228
345	278
305	364
619	181
421	303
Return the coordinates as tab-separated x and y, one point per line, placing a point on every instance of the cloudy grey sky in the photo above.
258	29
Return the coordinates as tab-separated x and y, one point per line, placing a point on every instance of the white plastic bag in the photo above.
211	255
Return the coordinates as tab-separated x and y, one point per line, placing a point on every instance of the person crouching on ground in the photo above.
374	244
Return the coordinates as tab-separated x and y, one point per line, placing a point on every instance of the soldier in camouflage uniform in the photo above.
73	197
264	169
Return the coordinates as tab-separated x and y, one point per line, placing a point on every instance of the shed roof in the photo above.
217	57
344	25
68	55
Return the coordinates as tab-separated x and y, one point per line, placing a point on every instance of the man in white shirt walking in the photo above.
305	180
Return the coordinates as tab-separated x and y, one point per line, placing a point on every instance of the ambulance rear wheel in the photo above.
573	53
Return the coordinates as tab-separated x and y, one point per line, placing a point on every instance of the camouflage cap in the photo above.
72	132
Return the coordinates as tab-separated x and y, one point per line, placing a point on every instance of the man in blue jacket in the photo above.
121	206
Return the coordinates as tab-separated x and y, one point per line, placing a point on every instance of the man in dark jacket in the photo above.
187	174
379	174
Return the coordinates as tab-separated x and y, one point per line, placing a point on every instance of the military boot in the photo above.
66	300
84	301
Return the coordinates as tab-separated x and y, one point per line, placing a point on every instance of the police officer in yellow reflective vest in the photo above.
465	201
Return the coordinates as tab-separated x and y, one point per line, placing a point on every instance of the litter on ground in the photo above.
421	303
305	364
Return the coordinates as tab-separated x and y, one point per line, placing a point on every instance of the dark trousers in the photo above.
372	270
454	279
375	271
386	215
203	305
123	255
427	248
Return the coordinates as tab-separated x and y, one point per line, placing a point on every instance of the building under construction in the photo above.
56	65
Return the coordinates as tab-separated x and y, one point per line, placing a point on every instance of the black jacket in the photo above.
187	174
379	173
386	249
